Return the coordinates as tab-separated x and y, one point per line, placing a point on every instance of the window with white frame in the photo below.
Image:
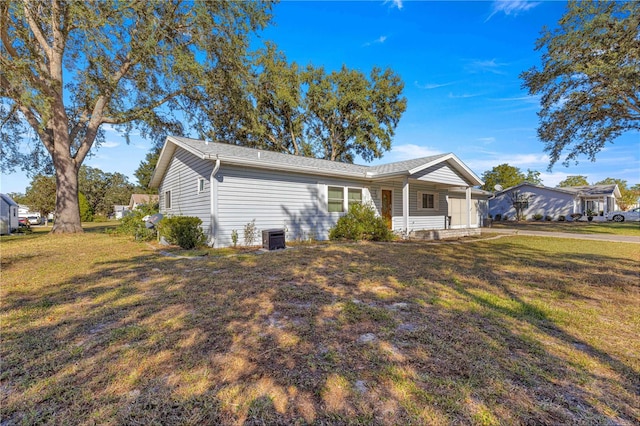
427	201
335	199
354	195
167	199
337	195
200	185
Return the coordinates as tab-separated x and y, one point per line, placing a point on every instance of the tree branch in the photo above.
37	32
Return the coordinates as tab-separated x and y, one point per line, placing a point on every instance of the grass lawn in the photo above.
515	330
625	228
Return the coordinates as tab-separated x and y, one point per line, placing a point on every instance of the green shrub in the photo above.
537	216
132	223
548	218
183	231
561	218
86	213
361	223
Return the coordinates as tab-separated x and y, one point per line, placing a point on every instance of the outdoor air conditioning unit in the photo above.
273	239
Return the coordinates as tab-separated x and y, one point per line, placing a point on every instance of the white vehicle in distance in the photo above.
631	215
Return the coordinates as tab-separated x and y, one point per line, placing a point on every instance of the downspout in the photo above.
212	237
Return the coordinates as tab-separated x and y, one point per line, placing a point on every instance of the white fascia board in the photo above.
163	161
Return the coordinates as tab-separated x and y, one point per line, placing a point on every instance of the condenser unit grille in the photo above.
273	239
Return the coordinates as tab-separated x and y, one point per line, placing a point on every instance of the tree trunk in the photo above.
67	215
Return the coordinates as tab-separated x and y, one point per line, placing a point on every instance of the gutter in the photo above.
212	238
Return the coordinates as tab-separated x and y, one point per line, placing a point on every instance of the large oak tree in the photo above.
589	80
69	67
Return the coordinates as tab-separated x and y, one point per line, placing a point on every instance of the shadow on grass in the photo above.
360	334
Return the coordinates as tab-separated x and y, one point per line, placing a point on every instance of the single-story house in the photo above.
228	186
555	202
142	199
8	214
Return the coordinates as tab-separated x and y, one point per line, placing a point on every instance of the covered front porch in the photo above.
431	197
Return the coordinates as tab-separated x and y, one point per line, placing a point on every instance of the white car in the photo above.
632	215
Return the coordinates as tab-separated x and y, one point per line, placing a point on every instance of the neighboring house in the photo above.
228	186
555	202
119	211
140	199
8	214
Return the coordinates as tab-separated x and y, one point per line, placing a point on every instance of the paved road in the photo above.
594	237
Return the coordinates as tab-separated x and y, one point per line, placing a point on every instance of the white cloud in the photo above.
379	40
511	7
110	144
487	140
522	161
464	95
394	3
429	86
486	65
410	151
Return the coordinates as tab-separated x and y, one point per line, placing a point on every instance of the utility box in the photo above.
273	239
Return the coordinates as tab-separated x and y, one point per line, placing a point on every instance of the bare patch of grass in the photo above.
100	329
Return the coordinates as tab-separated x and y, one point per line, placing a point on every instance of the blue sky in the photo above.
460	62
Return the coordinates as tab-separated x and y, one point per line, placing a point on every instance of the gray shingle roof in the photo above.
401	166
251	154
228	153
592	189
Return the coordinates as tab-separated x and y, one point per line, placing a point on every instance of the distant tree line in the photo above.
99	191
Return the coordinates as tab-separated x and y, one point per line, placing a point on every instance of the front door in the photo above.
387	206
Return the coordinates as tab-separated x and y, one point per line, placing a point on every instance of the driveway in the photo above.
594	237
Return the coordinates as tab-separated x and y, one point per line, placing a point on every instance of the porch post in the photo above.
405	205
467	196
605	207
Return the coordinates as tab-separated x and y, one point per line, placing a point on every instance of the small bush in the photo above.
548	218
184	231
505	217
562	218
498	217
361	223
132	224
250	233
234	237
537	216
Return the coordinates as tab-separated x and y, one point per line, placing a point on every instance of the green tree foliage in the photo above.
145	170
103	189
280	112
508	176
590	78
533	177
349	114
86	212
40	195
576	180
361	223
628	196
68	68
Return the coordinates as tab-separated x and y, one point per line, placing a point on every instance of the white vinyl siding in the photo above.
441	173
183	170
